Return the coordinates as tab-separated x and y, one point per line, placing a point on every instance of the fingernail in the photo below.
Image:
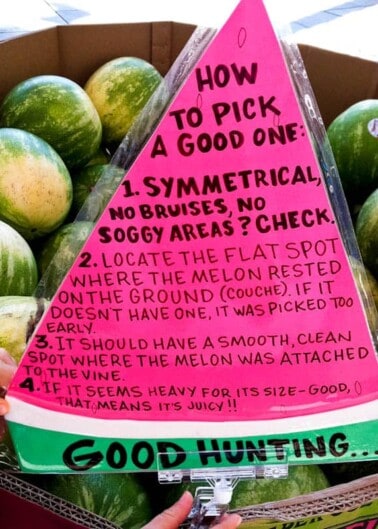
186	494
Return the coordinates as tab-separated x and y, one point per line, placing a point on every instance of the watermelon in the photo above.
373	286
338	473
57	110
368	287
8	459
84	182
18	318
35	185
18	267
367	232
353	136
119	90
58	254
117	497
302	479
102	156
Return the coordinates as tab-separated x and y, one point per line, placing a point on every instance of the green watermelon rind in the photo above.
35	184
340	473
59	251
118	498
367	232
59	111
355	148
120	89
18	316
302	479
18	267
373	286
97	181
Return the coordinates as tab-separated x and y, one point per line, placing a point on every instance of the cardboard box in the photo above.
339	80
76	51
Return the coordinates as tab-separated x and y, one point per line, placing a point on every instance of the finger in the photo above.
6	373
4	407
229	521
172	517
6	358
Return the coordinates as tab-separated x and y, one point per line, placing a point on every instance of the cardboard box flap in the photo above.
156	42
168	40
23	504
76	51
32	54
338	80
84	48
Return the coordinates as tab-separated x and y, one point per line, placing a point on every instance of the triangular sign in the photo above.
214	305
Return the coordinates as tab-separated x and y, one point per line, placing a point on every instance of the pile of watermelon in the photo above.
353	137
56	143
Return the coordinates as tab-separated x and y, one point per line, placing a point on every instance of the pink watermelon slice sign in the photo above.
215	286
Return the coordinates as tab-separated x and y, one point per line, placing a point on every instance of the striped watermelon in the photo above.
58	253
118	498
59	111
302	479
35	185
18	317
368	287
367	232
8	459
102	156
353	136
105	176
18	268
119	90
338	473
373	286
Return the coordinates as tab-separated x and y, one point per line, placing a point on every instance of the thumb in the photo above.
172	517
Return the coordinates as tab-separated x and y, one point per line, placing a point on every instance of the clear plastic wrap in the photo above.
219	306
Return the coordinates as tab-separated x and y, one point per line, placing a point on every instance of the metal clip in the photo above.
204	515
211	501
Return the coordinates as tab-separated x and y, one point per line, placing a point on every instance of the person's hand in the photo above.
175	515
8	367
228	521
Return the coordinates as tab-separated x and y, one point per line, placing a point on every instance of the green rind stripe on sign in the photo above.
43	450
